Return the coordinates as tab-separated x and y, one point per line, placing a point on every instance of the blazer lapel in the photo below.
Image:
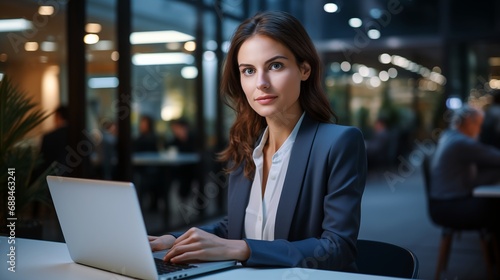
294	177
238	197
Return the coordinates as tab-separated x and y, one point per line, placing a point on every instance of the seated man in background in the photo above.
460	164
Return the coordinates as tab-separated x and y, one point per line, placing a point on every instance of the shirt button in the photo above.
260	218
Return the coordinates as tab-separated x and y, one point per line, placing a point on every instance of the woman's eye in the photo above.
276	66
248	71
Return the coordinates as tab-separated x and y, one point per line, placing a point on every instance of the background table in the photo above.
164	158
487	191
37	259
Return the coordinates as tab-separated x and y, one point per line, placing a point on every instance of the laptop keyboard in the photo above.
168	267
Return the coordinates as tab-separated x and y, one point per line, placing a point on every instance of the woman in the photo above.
295	178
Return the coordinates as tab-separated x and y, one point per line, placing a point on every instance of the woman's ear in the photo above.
305	70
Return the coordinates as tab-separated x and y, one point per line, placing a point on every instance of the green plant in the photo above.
18	116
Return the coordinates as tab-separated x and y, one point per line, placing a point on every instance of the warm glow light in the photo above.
190	46
115	56
170	112
18	24
46	10
93	28
50	93
90	39
161	58
152	37
31	46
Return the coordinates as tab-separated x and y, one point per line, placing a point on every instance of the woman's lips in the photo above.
264	100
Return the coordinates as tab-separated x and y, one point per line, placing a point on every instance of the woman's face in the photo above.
270	77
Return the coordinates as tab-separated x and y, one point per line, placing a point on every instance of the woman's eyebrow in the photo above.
267	61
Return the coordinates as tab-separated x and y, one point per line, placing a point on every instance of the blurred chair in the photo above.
449	231
385	259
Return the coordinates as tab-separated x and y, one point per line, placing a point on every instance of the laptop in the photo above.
103	228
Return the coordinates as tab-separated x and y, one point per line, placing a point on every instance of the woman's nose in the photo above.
263	82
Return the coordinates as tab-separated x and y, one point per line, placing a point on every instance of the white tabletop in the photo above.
36	259
487	191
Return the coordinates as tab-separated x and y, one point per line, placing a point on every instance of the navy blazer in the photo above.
318	216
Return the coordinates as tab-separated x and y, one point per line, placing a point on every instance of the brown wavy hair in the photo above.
287	30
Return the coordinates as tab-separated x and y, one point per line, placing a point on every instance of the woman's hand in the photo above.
159	243
199	245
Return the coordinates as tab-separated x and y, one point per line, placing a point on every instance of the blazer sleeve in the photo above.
219	228
328	241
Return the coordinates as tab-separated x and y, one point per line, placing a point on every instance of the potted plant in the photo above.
18	116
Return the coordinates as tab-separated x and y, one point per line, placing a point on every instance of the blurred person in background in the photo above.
461	163
147	141
183	142
150	178
490	130
380	145
107	149
54	143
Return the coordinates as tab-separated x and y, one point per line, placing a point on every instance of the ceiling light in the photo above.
90	39
356	78
189	72
355	22
19	24
103	82
93	28
345	66
375	82
375	13
383	76
393	73
330	7
46	10
31	46
373	34
48	46
102	45
161	58
454	103
384	58
152	37
173	46
115	56
190	46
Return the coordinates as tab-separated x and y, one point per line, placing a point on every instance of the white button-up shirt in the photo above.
261	211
